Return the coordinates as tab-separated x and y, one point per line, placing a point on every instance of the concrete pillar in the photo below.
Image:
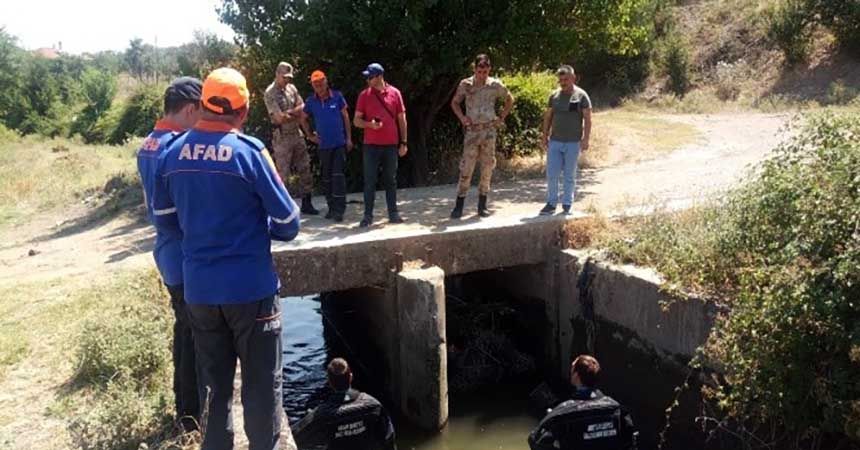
423	380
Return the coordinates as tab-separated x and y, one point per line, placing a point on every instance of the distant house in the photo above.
47	53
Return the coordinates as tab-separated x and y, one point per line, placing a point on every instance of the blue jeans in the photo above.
561	158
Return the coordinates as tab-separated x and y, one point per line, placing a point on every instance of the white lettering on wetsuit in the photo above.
206	152
350	429
600	430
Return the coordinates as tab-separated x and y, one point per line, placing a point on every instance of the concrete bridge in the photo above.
398	272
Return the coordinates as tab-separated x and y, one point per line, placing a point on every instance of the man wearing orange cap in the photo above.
330	114
284	105
219	188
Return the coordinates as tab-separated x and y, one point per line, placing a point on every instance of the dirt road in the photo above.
728	145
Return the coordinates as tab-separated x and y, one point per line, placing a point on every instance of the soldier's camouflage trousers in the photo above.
291	159
477	146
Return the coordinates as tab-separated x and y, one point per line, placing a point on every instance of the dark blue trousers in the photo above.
251	332
374	156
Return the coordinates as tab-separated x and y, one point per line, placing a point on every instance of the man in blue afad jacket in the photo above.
220	188
181	111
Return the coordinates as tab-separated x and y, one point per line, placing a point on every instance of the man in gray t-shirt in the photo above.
566	131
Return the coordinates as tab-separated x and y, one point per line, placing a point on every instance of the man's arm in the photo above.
306	128
163	209
509	105
309	432
347	129
385	430
546	127
276	115
586	129
282	211
457	108
401	123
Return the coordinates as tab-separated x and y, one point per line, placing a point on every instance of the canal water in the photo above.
499	414
492	419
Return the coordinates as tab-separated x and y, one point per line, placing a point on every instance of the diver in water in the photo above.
590	420
347	419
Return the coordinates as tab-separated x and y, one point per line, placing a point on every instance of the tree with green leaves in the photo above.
426	45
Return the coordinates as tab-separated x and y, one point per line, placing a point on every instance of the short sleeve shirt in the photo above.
327	118
370	104
282	100
567	114
481	100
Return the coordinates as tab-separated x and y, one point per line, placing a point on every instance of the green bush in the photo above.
138	114
522	132
124	418
676	63
124	361
98	89
789	28
783	252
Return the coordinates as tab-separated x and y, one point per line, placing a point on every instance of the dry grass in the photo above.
39	175
45	320
619	136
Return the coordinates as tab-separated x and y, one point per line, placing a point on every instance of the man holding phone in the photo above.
566	132
381	113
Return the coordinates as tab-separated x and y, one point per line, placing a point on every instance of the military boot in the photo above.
482	206
458	209
308	207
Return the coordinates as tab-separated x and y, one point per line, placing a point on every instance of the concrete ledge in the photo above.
342	266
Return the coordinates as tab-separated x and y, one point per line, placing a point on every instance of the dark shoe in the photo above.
337	218
366	222
329	215
548	210
565	209
482	206
308	207
458	208
395	218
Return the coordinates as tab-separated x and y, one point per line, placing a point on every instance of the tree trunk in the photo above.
421	118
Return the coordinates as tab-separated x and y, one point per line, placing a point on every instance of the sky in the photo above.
95	25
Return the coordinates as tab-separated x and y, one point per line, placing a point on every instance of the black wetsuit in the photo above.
346	420
589	421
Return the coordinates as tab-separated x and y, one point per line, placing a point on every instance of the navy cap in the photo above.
184	88
373	70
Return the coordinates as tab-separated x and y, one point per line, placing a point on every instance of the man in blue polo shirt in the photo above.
330	114
181	111
220	188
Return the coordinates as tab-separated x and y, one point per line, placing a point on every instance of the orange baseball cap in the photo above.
317	75
225	91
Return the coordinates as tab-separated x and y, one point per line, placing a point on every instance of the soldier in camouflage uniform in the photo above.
480	122
284	105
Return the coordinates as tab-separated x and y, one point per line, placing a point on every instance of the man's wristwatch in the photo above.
402	142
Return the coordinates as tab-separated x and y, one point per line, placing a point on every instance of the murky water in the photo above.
498	417
495	419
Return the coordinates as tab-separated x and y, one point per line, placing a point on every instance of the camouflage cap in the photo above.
285	69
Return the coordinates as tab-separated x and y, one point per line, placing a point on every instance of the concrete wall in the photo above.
631	297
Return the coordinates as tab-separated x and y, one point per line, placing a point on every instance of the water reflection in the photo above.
304	355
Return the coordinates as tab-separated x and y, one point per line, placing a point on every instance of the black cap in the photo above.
184	88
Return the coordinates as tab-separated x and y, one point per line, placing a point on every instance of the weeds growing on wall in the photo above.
783	252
